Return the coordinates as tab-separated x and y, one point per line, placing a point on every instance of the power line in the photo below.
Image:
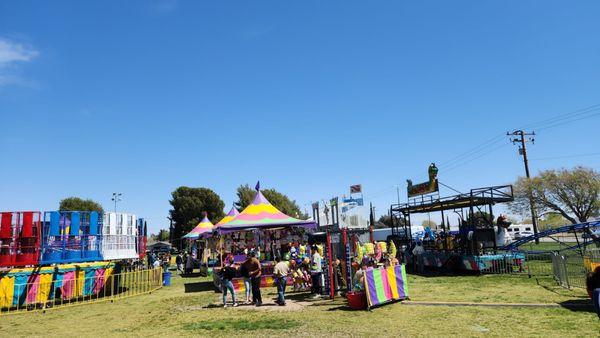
559	117
480	150
476	158
564	156
473	151
571	120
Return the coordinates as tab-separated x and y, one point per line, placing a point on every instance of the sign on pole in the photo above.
424	188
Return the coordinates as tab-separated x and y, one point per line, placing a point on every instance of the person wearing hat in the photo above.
281	271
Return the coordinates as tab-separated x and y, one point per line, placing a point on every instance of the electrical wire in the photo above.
476	158
565	156
552	120
597	112
473	151
556	121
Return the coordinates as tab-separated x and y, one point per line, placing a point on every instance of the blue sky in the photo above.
309	97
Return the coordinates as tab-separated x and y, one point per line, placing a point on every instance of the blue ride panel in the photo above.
71	237
53	243
93	239
74	247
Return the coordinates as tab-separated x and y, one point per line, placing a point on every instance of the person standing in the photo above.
247	281
151	259
255	273
340	281
229	272
179	262
189	264
316	271
281	271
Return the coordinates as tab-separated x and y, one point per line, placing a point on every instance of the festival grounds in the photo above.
439	306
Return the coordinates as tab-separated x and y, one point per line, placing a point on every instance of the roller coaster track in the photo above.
587	226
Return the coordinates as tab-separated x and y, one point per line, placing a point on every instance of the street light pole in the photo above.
116	197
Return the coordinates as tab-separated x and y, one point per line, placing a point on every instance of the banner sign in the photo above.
424	188
353	201
383	285
356	189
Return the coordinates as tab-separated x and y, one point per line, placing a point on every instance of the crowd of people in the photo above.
302	266
159	260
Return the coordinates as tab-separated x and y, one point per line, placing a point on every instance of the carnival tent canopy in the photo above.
230	215
262	214
205	226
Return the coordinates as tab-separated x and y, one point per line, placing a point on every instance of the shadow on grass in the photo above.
230	324
193	275
219	305
343	308
578	305
199	287
303	296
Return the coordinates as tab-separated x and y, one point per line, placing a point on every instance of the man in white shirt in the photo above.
316	271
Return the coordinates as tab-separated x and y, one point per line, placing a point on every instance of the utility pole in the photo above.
521	140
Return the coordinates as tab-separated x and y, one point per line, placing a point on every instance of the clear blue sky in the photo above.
309	97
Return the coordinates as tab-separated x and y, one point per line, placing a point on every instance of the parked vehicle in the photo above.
522	234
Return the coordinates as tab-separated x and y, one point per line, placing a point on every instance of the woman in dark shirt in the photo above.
228	272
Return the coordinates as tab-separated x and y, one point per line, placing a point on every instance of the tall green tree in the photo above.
574	194
280	201
385	221
162	236
188	207
79	204
551	220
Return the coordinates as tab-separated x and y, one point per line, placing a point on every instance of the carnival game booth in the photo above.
197	238
204	227
474	247
263	228
120	238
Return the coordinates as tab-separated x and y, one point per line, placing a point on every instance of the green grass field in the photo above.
191	308
546	246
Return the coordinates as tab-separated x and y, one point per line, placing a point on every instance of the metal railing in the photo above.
48	292
569	270
515	263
